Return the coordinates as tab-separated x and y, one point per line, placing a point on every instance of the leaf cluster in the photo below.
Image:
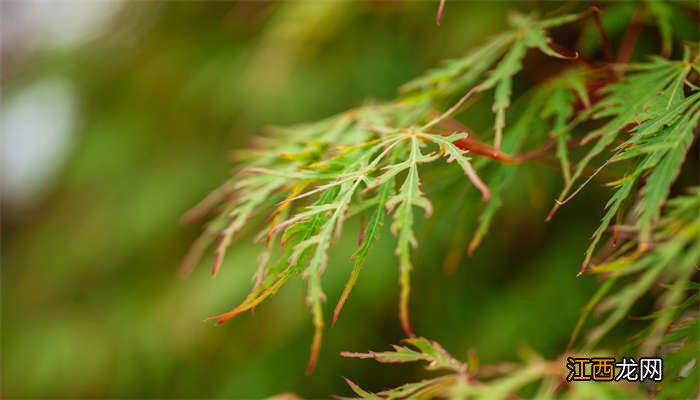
459	381
305	182
308	180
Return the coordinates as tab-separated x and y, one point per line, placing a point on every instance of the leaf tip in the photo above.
315	350
217	264
441	7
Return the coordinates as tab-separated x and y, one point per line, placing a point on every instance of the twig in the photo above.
630	40
452	109
604	41
475	146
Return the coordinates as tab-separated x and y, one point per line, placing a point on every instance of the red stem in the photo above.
631	36
604	41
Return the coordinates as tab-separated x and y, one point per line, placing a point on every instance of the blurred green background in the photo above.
118	117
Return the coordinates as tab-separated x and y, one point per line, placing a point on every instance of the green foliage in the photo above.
458	381
680	348
671	262
364	161
651	97
87	263
548	111
369	162
348	173
506	51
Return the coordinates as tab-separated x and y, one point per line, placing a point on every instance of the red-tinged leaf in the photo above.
359	391
441	7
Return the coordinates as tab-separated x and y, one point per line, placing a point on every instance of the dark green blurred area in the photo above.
91	304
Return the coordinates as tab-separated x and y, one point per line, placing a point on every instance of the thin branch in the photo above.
475	146
604	41
452	109
630	40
